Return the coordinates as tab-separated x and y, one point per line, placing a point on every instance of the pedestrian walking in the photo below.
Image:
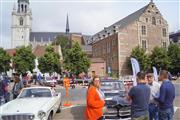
95	101
153	105
40	79
139	96
18	85
6	82
166	97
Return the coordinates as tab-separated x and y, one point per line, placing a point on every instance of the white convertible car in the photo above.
33	103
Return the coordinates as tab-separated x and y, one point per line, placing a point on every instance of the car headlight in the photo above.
41	114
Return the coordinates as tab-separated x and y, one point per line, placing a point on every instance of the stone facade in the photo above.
145	27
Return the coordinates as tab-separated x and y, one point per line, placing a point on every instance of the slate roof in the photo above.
86	39
46	36
123	22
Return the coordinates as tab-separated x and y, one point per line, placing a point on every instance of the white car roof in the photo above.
37	87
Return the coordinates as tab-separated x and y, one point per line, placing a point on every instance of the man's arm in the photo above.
130	94
162	95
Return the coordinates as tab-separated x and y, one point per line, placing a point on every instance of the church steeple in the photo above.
67	25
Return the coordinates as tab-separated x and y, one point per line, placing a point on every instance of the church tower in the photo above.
67	25
21	24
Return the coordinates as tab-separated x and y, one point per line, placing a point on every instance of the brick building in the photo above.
145	27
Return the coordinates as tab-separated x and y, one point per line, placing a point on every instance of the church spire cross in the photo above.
67	25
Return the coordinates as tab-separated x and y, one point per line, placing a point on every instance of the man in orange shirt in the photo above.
95	101
66	83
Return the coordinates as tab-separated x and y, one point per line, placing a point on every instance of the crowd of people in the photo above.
149	99
18	82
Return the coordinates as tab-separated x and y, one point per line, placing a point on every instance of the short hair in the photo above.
164	73
141	75
95	78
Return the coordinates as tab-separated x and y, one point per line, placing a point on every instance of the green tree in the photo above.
143	59
174	55
5	61
64	42
24	59
76	60
159	58
50	62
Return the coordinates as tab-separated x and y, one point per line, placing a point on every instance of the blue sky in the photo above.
86	16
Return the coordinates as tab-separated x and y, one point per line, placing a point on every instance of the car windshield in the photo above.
112	86
35	92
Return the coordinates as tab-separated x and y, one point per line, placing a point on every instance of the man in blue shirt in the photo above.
139	96
166	97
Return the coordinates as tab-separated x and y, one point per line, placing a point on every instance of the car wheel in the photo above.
59	109
50	116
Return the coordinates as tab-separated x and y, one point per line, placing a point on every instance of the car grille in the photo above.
123	112
18	117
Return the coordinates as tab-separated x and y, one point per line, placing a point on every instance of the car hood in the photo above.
24	105
116	100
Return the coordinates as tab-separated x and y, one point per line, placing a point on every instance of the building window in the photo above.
146	19
22	8
25	8
153	20
113	42
144	44
159	21
21	21
143	30
164	44
164	32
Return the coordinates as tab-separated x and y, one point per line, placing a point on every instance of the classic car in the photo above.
117	106
33	103
50	81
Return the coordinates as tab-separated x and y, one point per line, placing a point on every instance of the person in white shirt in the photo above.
153	105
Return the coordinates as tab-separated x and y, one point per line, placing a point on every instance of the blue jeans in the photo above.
153	112
166	114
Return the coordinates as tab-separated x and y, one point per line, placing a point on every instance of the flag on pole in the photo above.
155	73
135	68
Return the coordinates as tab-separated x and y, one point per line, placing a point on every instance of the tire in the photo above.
50	116
59	109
